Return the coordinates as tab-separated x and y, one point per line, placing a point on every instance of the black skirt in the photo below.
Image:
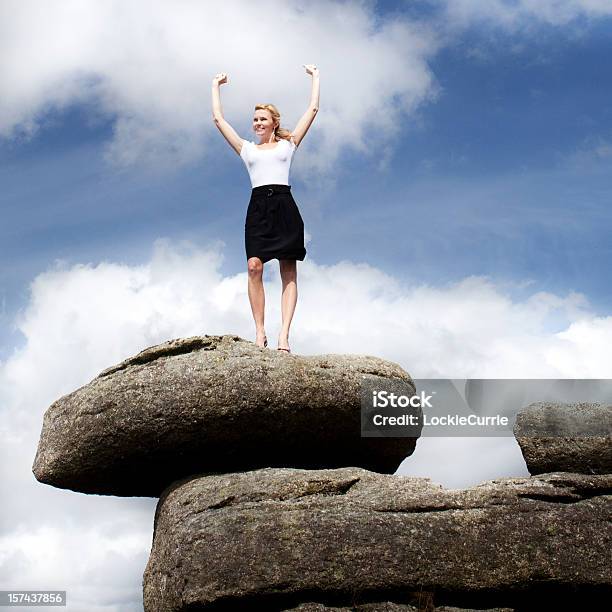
274	228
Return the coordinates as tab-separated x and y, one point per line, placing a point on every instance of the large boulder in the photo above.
214	404
557	437
277	538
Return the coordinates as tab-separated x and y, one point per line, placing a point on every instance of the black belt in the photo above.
270	190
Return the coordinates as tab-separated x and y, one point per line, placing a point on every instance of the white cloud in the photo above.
519	14
149	65
83	318
463	462
69	557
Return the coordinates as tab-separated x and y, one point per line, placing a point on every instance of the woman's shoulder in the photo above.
289	141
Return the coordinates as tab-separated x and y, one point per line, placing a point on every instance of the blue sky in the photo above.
499	176
455	188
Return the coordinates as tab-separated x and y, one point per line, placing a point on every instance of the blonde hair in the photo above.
279	132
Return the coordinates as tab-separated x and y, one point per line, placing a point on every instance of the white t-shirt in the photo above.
268	166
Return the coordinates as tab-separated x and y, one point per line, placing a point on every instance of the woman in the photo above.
274	228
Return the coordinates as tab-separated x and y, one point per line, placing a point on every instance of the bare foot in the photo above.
261	341
283	344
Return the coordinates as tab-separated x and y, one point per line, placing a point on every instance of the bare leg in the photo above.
257	297
288	271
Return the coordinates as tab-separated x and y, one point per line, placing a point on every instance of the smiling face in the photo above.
263	125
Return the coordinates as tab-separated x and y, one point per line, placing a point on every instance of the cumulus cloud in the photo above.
148	65
83	318
99	569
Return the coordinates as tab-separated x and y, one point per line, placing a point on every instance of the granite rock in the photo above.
214	404
557	437
275	539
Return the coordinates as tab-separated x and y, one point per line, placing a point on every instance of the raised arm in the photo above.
224	127
313	108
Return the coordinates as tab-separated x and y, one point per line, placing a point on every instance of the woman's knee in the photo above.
255	267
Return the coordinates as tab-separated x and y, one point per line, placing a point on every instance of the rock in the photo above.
213	404
557	437
388	606
277	538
